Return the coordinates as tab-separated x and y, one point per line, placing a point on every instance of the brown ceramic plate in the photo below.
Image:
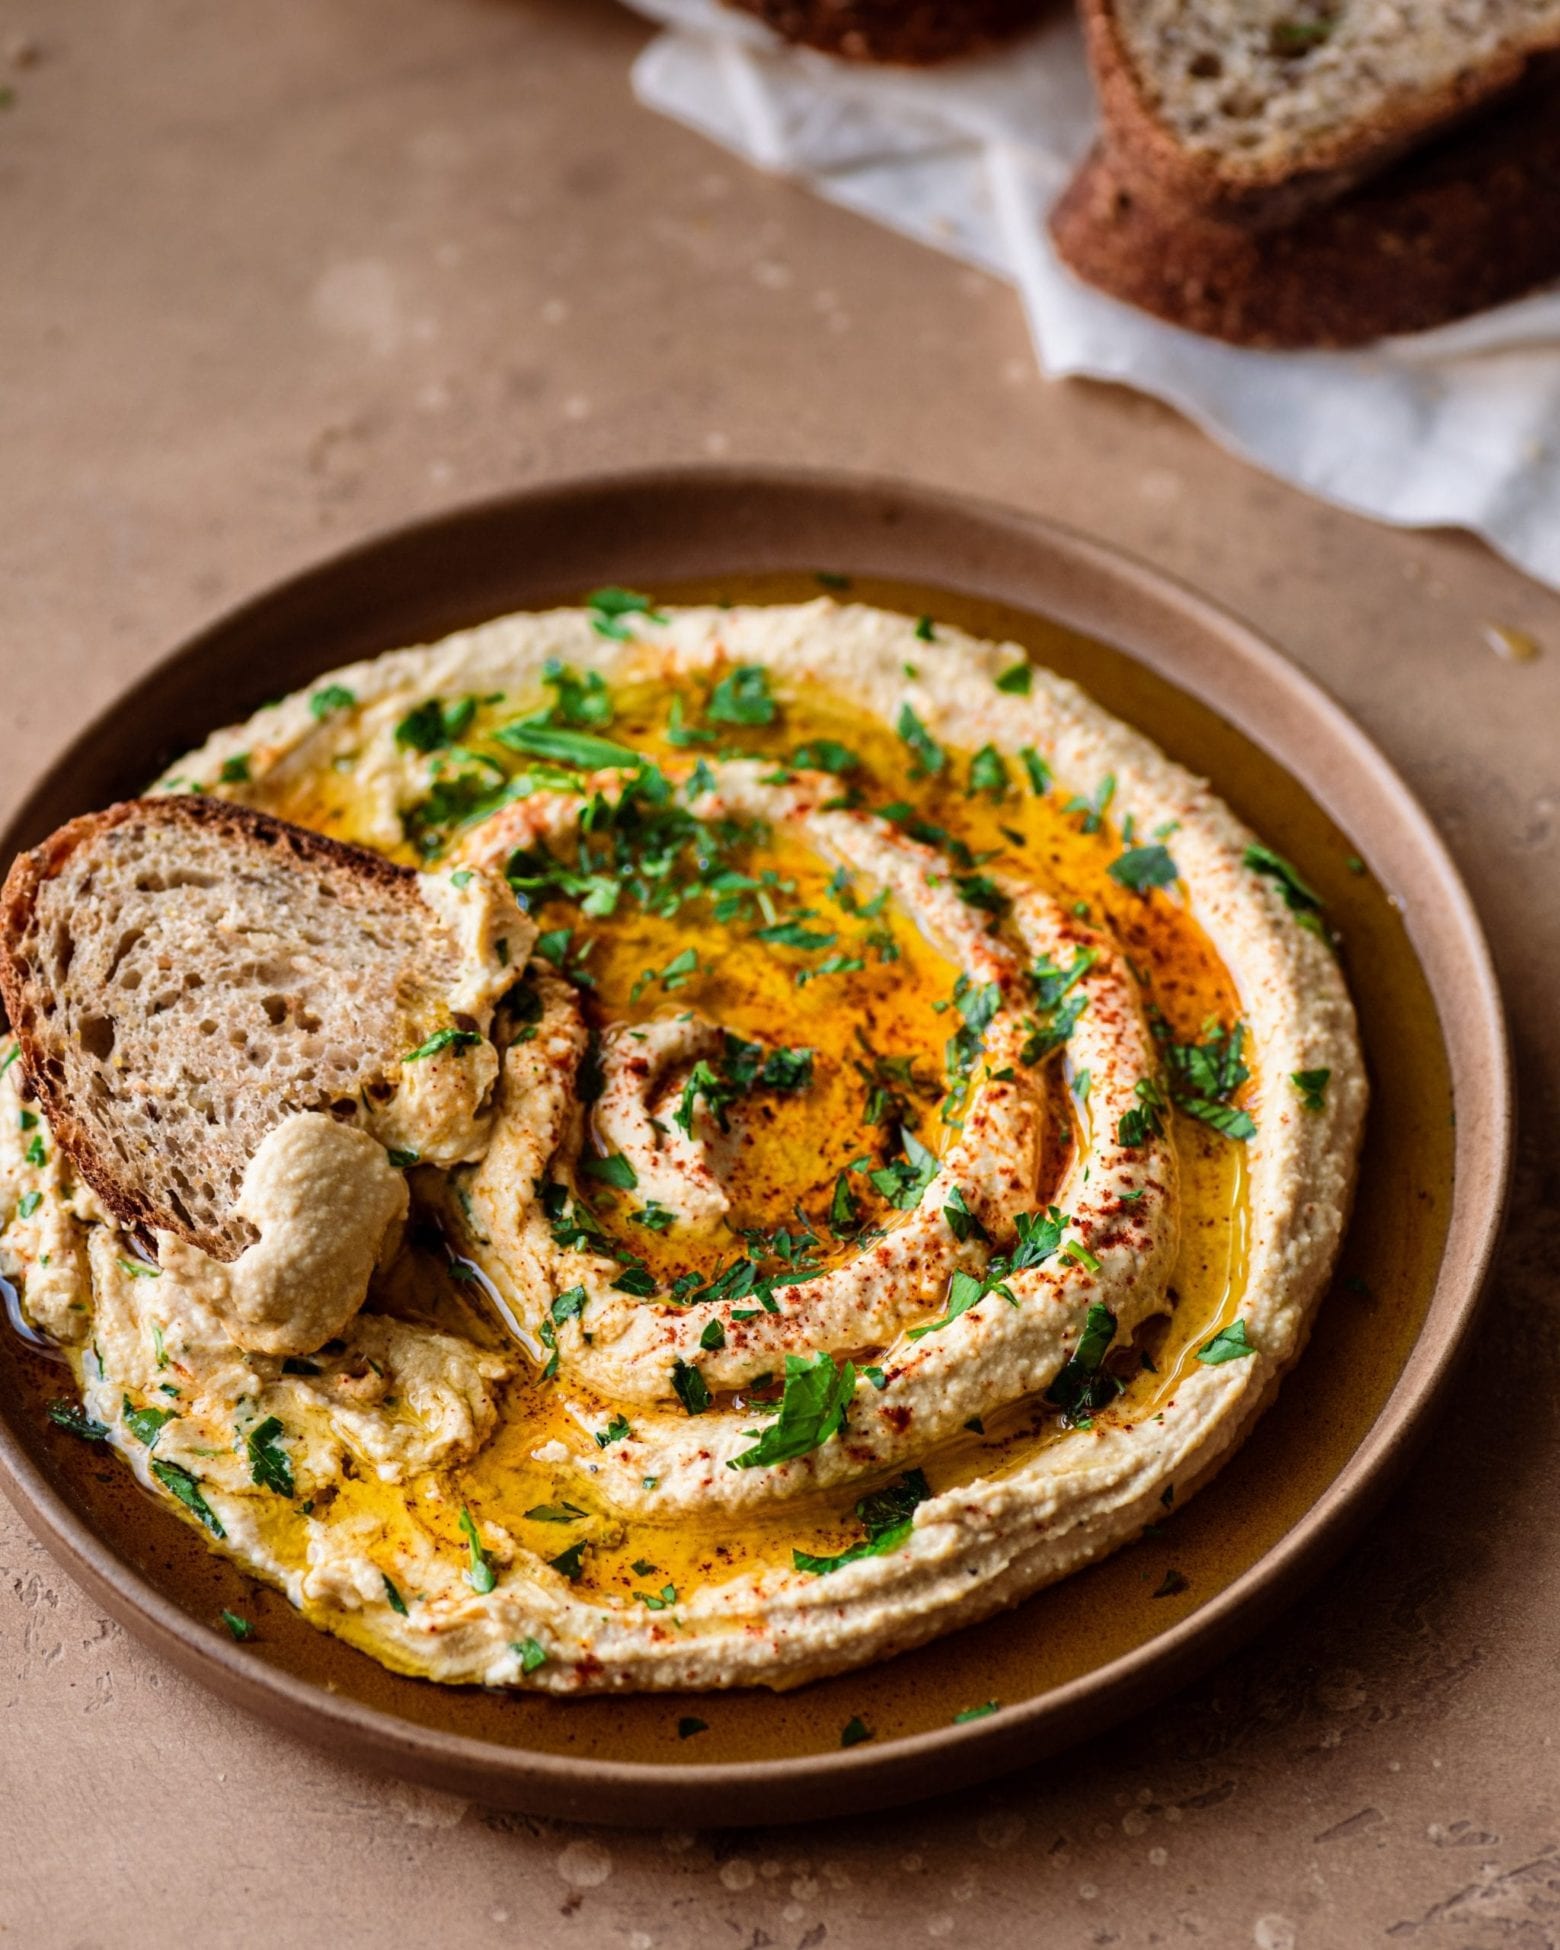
1075	1658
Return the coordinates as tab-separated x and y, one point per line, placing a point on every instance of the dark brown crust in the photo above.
1150	159
244	827
912	32
1468	224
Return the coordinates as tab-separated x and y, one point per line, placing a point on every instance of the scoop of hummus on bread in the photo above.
891	1132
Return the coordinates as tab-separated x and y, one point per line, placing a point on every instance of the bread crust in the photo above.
245	827
911	32
1150	159
1468	224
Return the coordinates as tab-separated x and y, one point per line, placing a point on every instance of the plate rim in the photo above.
869	1775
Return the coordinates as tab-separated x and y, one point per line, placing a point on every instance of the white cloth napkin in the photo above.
1458	427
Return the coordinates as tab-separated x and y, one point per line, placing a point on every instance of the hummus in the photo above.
912	1130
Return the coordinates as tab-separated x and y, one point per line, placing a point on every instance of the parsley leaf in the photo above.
1298	897
434	724
609	606
480	1574
269	1464
1018	680
615	1170
184	1486
1231	1343
76	1421
530	1652
742	698
1143	867
146	1424
329	698
929	756
690	1387
1095	806
1085	1383
1146	1119
813	1407
1312	1085
889	1516
442	1039
393	1596
581	750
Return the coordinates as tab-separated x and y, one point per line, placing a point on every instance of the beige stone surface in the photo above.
274	276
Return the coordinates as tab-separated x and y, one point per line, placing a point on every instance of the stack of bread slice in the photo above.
914	32
1283	172
1319	172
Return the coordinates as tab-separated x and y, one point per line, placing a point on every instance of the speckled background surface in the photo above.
275	277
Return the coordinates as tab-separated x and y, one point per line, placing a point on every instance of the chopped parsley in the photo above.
583	751
1205	1076
530	1652
435	724
981	1712
690	1387
1172	1584
269	1464
689	1725
570	1563
181	1484
615	1170
825	755
330	698
1143	867
393	1596
1095	805
480	1574
146	1424
1057	1010
889	1517
1084	1382
76	1421
813	1406
929	756
1018	680
1231	1343
239	1627
615	1431
1312	1085
28	1203
1299	898
1039	772
1146	1119
743	698
988	773
609	606
854	1731
442	1039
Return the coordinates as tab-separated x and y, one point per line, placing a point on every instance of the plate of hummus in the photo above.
924	1026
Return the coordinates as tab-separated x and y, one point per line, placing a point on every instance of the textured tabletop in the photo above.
275	277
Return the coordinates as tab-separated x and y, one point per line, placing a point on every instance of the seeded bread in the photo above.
910	31
1471	222
181	973
1254	110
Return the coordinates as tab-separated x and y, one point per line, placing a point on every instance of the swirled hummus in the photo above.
907	1161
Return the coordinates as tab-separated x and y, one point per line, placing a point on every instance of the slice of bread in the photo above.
1254	110
1470	222
909	31
181	973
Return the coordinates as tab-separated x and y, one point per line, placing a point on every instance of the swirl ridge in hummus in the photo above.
919	1140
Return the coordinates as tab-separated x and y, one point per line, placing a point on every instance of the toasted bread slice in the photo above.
913	32
1254	110
181	973
1470	222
